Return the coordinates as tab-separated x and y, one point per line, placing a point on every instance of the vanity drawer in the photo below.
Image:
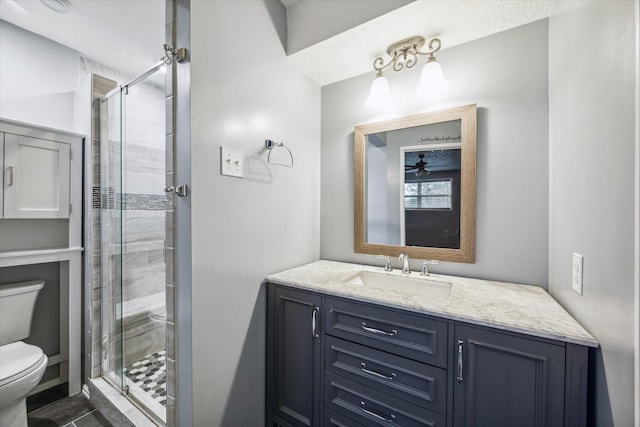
334	419
421	384
374	408
401	333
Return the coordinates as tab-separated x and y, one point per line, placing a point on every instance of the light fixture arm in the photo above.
405	53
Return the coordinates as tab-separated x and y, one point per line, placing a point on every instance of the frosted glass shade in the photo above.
432	82
379	95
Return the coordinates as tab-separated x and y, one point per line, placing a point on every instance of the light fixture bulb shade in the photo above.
432	82
379	95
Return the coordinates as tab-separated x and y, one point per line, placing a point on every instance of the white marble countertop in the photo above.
519	308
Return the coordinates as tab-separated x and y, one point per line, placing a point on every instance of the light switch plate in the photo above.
578	267
231	162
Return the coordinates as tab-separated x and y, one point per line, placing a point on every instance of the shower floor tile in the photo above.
150	375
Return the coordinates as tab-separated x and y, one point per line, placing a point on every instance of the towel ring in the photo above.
270	145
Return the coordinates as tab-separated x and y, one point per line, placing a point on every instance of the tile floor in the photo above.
150	374
147	382
74	411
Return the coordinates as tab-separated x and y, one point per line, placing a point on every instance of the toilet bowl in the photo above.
22	365
21	368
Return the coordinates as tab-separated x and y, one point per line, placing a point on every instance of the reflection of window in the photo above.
434	194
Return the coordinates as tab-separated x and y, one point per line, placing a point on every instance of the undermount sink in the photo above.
409	284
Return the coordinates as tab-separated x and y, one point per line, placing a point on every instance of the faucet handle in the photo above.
387	264
425	270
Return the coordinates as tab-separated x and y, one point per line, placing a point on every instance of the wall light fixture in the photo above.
404	54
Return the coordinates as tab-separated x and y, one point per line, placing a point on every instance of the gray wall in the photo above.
506	75
591	192
40	81
244	229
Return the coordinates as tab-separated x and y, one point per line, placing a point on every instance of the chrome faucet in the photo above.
387	262
425	270
405	263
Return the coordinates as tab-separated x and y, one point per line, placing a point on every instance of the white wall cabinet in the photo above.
41	180
36	177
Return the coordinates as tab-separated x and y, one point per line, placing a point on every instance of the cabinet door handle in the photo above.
460	350
378	331
10	176
314	318
391	418
364	368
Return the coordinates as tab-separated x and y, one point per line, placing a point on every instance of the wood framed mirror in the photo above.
415	186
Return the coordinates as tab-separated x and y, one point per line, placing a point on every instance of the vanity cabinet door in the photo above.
504	380
294	364
36	177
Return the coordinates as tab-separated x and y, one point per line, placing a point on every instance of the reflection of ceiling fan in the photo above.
420	167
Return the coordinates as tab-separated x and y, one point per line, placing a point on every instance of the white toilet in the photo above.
21	365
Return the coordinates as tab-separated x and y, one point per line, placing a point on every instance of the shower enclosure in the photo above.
132	209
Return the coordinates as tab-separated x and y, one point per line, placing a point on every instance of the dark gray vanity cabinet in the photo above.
337	362
293	358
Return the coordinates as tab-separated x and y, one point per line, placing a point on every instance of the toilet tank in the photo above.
17	301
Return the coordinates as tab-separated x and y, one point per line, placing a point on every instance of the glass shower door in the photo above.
143	217
111	236
133	241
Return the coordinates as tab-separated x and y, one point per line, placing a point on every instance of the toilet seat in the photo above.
17	360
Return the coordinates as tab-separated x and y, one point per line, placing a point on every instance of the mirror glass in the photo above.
415	186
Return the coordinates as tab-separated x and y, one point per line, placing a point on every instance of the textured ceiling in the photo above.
352	52
123	34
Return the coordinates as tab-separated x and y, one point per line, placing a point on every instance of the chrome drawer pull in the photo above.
378	331
460	350
314	316
377	374
391	419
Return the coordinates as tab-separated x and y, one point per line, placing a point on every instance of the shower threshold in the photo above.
117	408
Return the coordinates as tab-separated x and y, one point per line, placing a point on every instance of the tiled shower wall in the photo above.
142	210
100	87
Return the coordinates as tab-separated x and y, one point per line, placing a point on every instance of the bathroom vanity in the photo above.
353	345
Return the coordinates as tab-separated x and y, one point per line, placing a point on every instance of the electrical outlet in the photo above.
578	266
231	162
